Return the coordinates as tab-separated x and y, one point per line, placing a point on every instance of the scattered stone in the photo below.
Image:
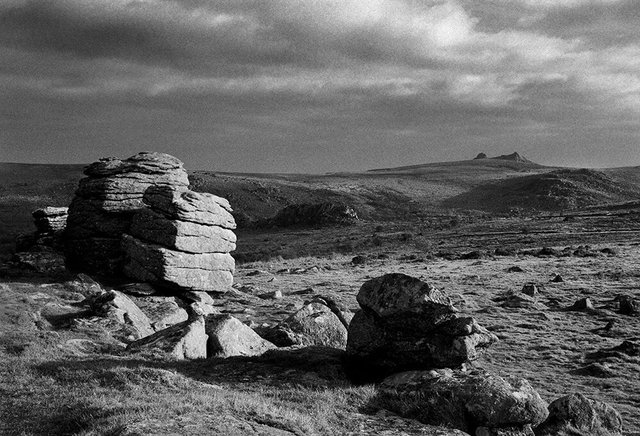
557	279
628	306
472	255
514	269
230	337
548	251
272	295
609	251
314	324
504	251
530	289
117	306
583	304
595	370
480	156
404	323
186	340
525	430
162	311
359	260
518	300
463	400
576	414
623	351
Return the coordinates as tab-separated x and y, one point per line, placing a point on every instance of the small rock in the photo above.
514	269
595	370
628	306
230	337
583	304
313	324
530	289
186	340
359	260
557	279
272	295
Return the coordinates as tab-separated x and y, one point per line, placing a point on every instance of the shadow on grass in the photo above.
309	366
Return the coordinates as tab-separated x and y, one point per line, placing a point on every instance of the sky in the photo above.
315	86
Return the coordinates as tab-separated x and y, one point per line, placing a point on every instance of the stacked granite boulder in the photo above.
136	218
409	337
406	324
182	241
105	203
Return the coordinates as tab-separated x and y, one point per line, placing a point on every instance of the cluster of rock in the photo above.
137	218
406	324
408	335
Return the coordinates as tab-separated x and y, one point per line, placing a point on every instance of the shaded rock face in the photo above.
406	324
577	414
105	203
230	337
137	218
475	402
120	308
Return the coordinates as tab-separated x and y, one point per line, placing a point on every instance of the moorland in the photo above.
478	230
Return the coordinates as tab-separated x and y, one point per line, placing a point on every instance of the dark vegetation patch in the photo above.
560	190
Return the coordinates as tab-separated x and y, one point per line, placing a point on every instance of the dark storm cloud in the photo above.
321	72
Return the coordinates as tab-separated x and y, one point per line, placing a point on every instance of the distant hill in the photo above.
564	189
495	185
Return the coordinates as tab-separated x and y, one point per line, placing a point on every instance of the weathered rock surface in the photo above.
162	311
119	307
186	340
406	324
313	215
576	414
228	337
182	241
105	203
464	400
50	219
314	324
179	270
182	235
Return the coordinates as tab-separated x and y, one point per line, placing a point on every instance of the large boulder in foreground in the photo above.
576	414
105	203
406	324
469	401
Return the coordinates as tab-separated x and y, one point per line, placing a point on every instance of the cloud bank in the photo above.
320	85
